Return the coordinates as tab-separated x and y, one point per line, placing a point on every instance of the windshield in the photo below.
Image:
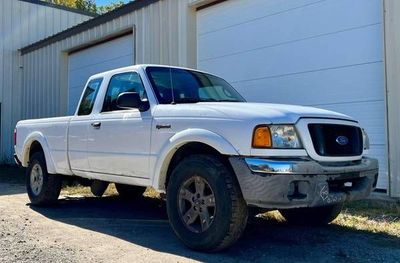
189	86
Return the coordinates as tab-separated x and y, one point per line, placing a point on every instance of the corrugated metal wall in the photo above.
22	23
163	33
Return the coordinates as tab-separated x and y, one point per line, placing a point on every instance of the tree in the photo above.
88	5
69	3
107	8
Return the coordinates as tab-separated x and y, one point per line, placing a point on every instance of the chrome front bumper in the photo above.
289	183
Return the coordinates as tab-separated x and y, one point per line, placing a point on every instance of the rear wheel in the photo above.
312	215
43	188
130	191
204	203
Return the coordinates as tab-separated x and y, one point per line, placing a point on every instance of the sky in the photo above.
105	2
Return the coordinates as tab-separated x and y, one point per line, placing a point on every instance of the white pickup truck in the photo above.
190	135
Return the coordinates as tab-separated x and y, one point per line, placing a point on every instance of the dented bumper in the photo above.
289	183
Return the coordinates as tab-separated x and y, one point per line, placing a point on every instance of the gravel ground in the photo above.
110	230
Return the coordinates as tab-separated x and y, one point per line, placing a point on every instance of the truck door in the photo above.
119	140
79	127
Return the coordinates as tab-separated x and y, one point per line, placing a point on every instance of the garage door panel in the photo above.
357	83
99	58
315	20
88	63
83	73
349	48
101	52
221	14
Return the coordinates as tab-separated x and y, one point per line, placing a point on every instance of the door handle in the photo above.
96	124
161	126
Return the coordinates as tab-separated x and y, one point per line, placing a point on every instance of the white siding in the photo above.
22	23
326	54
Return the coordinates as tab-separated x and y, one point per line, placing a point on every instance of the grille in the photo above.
336	140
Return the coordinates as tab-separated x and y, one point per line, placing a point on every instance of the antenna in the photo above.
172	86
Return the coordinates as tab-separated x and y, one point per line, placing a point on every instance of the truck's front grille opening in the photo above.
336	140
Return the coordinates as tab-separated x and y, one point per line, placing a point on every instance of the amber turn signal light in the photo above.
262	137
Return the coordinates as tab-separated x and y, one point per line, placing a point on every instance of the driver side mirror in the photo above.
131	100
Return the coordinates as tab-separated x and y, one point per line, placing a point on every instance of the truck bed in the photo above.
51	132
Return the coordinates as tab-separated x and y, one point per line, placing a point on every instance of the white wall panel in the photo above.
316	54
326	54
266	30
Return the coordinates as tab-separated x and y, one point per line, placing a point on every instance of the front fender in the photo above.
37	136
207	137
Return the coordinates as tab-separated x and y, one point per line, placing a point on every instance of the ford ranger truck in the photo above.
191	135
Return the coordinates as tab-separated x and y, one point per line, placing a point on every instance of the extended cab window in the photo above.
120	83
89	96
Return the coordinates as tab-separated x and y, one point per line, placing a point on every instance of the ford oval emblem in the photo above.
342	140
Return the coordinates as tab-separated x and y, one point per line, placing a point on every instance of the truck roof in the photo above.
140	66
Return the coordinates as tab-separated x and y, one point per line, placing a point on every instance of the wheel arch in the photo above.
188	141
36	142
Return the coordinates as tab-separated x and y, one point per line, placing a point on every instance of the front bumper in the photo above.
290	183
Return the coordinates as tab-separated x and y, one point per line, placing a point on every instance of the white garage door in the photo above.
109	55
326	54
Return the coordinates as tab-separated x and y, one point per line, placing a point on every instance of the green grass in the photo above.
372	215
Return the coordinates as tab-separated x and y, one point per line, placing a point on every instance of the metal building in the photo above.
23	22
335	54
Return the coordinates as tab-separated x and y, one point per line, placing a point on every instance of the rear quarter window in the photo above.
89	96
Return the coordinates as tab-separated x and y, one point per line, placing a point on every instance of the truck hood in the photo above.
263	112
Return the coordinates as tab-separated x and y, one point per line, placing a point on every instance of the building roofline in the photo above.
65	8
98	20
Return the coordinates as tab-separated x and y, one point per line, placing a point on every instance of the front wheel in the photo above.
204	203
43	188
312	215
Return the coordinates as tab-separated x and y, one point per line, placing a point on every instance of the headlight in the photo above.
284	136
365	139
276	136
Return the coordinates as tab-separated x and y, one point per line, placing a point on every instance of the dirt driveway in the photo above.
110	230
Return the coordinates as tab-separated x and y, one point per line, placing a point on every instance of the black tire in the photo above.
50	188
130	191
229	214
98	187
312	216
